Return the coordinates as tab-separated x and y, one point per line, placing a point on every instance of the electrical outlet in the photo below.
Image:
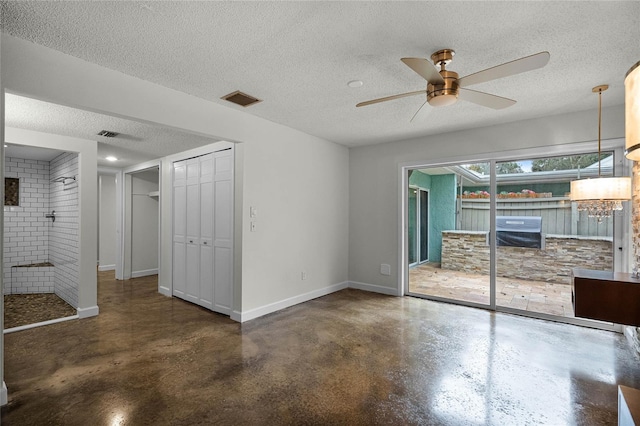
253	227
385	269
303	276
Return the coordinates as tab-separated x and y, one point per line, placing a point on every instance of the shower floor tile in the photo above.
23	309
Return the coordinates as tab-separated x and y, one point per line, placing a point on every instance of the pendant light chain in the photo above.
599	131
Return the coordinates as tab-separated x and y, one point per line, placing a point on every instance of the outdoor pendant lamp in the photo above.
602	196
632	112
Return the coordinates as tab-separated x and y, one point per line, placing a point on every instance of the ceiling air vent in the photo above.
241	99
107	134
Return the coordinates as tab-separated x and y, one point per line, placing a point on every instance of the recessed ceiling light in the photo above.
111	158
5	145
355	83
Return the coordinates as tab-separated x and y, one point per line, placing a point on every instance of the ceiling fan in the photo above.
445	88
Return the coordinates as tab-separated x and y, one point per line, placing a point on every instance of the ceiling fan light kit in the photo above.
444	87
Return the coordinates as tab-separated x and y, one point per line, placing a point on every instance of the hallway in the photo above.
351	357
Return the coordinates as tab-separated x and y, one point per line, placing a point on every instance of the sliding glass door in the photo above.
505	234
541	235
449	254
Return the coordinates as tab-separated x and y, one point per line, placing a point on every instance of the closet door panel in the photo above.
193	272
206	231
179	269
206	276
193	213
222	280
179	228
223	231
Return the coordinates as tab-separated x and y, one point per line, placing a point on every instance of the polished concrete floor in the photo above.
351	358
430	279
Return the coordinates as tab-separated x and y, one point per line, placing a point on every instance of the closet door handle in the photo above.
205	243
191	241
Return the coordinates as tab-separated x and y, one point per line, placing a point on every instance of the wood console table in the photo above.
606	296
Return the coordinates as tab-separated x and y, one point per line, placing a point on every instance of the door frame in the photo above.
621	228
123	191
418	223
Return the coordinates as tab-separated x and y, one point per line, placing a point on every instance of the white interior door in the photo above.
179	227
192	293
206	281
223	231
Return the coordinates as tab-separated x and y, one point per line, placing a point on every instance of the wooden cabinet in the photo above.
606	296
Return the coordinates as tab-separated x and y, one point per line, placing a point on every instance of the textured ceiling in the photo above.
136	142
299	56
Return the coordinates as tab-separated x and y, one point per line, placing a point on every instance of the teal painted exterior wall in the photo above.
420	179
442	209
442	212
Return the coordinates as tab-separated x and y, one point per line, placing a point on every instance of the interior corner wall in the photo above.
373	208
302	225
107	222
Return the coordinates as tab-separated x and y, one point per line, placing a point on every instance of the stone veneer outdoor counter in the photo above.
468	251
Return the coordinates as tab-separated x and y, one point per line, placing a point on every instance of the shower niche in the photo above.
41	238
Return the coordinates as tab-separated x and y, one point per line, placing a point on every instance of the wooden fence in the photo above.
559	215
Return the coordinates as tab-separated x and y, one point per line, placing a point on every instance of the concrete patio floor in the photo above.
533	296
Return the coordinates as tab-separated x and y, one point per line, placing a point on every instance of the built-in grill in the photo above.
519	231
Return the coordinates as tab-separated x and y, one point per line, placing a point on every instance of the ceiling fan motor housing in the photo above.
443	94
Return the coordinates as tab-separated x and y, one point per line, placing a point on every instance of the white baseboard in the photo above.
144	273
3	394
282	304
373	288
91	311
102	268
165	291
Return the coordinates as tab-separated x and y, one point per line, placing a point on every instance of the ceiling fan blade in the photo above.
484	99
518	66
390	98
425	69
421	113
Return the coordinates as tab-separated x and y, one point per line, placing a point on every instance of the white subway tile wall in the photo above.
26	229
63	233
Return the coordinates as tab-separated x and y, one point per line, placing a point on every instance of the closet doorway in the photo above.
141	223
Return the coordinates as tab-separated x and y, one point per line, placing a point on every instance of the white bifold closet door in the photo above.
203	230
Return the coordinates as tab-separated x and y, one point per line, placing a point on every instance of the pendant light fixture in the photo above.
632	112
602	196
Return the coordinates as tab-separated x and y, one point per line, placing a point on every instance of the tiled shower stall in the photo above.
40	253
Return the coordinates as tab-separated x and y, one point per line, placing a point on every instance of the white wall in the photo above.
374	177
144	223
296	181
107	222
